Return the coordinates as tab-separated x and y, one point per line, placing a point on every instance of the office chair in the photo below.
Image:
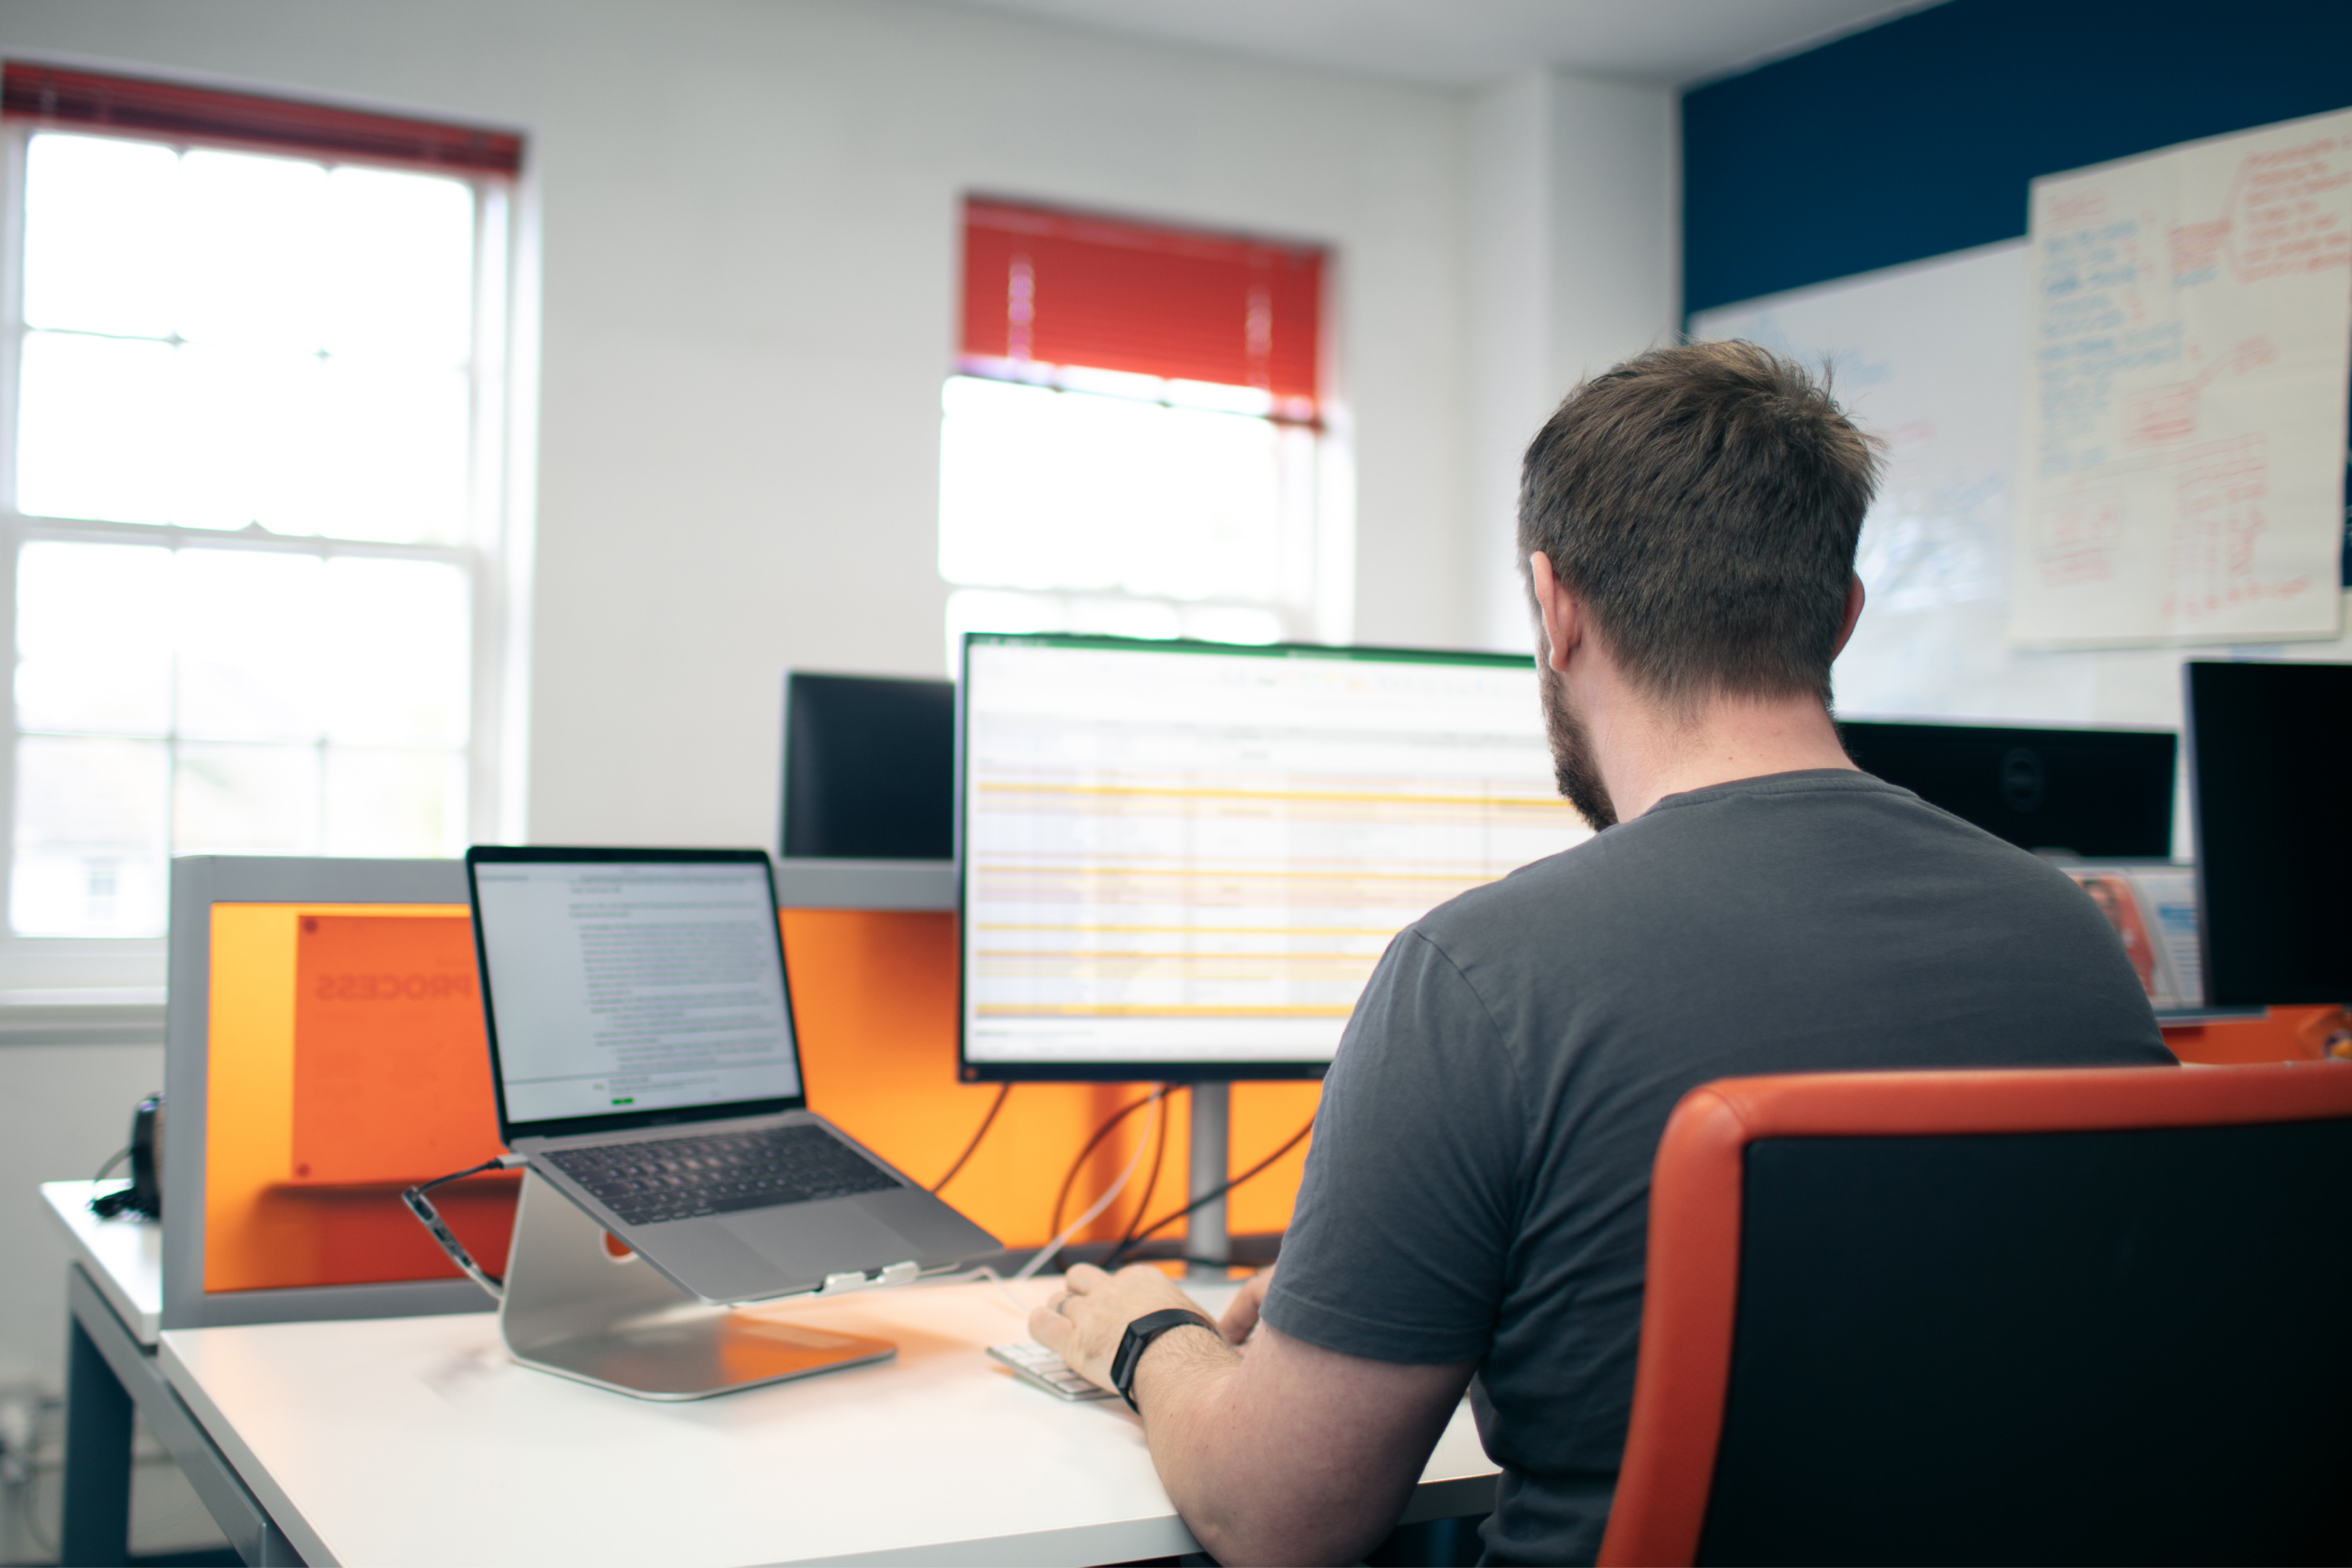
2056	1316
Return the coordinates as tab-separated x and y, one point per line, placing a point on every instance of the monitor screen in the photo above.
2270	749
2094	792
869	769
1182	861
617	988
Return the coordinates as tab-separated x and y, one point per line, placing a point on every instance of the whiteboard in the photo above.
2188	322
1930	358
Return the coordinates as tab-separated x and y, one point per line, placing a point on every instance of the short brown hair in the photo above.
1704	502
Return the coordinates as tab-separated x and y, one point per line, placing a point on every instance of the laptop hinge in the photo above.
872	1279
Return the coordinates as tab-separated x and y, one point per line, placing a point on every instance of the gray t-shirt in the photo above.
1478	1186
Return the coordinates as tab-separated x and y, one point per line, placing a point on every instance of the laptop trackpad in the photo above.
809	1239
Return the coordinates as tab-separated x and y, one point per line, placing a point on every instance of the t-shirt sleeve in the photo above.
1399	1243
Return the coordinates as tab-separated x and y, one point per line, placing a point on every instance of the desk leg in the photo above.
97	1457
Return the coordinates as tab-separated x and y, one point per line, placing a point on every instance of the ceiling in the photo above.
1465	43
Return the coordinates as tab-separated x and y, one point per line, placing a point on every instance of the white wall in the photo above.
1573	263
747	214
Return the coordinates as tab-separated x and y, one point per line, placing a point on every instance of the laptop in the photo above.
642	1045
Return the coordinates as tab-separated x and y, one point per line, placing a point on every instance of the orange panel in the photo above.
347	1060
2282	1036
874	996
369	1095
391	1073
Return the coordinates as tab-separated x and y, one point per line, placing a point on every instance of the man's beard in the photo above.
1572	752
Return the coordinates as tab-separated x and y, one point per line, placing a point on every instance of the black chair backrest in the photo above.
2123	1346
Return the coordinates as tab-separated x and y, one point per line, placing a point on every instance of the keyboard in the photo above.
720	1173
1041	1368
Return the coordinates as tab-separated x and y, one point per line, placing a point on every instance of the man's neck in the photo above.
1651	755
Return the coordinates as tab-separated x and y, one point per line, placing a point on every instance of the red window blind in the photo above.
65	99
1046	287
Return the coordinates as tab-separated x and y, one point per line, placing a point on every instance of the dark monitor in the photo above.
1181	860
2091	792
2270	759
869	769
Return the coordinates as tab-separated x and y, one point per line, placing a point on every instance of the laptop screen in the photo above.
620	988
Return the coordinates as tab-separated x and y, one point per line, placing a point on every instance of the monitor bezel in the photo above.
1303	1069
625	1120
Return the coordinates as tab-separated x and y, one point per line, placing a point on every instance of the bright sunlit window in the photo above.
254	483
1088	512
1136	443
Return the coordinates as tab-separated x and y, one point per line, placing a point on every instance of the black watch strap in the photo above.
1138	1339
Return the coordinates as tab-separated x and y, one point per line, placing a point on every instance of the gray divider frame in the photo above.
199	882
807	883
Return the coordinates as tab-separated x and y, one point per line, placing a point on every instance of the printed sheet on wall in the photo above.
2182	459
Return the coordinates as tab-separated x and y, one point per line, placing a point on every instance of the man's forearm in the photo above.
1282	1452
1254	1480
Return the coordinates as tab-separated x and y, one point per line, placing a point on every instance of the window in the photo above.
1136	440
253	400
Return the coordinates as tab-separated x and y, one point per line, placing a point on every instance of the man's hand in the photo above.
1083	1323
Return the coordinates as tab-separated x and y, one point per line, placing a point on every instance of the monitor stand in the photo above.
574	1309
1206	1242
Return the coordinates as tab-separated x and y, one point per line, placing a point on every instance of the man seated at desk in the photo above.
1475	1207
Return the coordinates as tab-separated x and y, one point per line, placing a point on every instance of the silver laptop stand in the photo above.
571	1307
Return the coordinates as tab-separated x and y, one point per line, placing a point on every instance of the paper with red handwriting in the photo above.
2188	322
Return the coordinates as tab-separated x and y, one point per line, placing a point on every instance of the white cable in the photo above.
1158	1110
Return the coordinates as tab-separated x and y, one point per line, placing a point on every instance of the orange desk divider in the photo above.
348	1061
874	993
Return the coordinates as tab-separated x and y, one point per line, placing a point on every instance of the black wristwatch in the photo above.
1138	1339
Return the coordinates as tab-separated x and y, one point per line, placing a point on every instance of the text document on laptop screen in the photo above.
620	988
1189	853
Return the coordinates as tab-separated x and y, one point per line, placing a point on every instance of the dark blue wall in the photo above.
1917	137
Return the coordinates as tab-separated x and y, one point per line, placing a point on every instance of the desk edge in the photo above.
241	1457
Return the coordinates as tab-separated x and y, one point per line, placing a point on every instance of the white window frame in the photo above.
1318	605
495	556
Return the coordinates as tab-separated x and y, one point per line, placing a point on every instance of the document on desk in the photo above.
2182	451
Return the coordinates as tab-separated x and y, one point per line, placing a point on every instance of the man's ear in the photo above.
1556	611
1854	597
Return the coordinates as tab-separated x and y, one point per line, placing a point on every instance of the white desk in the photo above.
114	1299
415	1440
124	1257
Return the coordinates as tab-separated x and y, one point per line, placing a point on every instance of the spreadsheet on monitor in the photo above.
1191	853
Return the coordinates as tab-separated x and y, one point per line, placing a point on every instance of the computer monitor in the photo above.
2089	792
1180	860
869	769
2269	754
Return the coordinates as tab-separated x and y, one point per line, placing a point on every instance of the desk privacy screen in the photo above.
326	1049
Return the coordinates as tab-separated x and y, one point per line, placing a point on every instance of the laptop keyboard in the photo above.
720	1173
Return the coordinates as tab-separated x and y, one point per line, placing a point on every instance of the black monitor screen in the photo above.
2093	792
870	768
2270	749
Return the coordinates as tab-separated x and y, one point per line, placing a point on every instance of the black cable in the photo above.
120	1155
985	1122
1092	1143
1120	1252
1151	1183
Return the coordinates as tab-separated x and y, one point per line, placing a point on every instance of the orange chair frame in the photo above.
1691	1298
